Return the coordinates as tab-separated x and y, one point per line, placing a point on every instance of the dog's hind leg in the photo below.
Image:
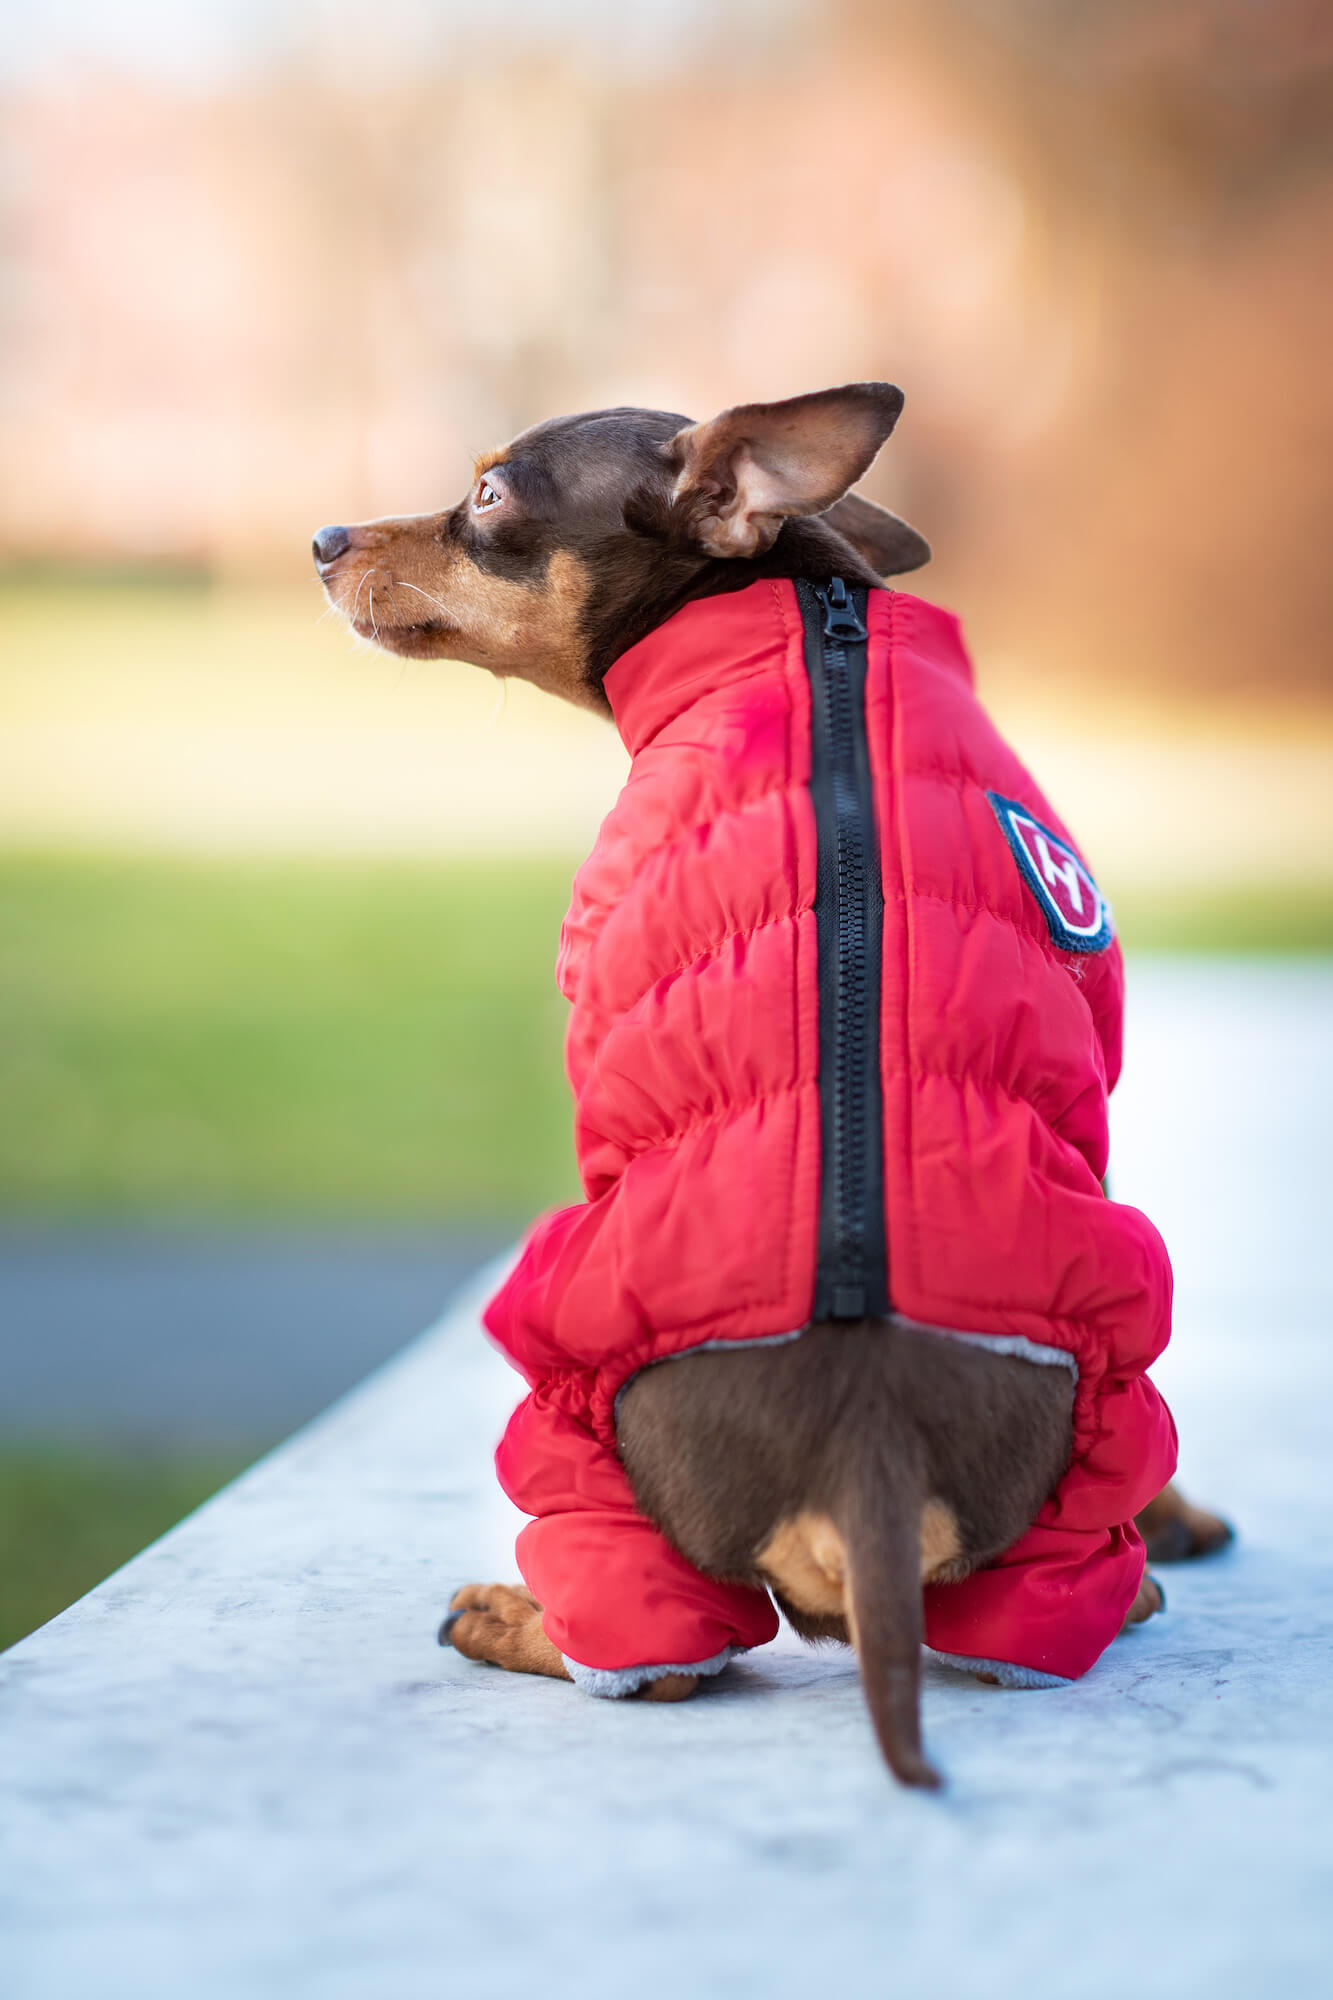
502	1623
1175	1531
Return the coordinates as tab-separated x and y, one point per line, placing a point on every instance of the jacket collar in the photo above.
701	649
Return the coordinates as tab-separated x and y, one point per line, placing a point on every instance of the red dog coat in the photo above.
846	1006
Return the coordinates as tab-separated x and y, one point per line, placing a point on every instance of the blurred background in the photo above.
279	1044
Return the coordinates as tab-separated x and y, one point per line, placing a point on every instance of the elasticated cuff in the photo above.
614	1683
1004	1671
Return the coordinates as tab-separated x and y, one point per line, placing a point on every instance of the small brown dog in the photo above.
823	1468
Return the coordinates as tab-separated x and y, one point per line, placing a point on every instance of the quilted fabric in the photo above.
689	959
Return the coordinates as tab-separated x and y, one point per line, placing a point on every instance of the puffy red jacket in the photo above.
796	1101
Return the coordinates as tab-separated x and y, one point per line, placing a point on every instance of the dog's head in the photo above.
586	532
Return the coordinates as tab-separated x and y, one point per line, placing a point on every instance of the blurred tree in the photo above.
1092	243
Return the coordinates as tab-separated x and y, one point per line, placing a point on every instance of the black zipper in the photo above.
851	1277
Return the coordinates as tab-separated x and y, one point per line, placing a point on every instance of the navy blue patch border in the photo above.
1067	939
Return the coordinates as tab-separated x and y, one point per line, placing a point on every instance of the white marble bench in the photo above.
242	1767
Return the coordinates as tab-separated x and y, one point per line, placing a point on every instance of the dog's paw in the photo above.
1175	1531
1150	1600
501	1623
669	1687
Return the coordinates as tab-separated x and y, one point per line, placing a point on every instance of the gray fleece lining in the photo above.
1015	1344
710	1347
616	1682
1004	1671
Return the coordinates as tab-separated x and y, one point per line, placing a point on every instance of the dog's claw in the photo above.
446	1631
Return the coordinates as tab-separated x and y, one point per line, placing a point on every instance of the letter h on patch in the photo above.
1077	914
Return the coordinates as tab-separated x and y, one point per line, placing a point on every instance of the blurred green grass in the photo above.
71	1515
285	1039
281	1039
1285	919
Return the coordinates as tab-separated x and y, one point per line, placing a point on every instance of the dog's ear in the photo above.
885	542
741	475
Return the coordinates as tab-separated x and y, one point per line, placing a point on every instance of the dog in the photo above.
886	1478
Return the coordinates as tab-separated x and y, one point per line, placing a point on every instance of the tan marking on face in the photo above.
488	460
409	588
806	1559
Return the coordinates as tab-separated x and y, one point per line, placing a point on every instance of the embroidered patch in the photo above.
1077	914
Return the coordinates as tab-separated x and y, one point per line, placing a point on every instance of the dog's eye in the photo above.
485	497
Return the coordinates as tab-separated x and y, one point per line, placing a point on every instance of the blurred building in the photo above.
1092	244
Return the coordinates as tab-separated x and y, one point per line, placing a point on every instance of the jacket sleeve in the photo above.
1047	1608
621	1604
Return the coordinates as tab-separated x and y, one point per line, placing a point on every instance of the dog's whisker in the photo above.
373	626
499	704
401	583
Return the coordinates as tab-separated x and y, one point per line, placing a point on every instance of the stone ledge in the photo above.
242	1768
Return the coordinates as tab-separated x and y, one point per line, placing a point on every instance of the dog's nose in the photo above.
329	544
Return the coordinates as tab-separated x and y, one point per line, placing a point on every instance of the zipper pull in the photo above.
840	616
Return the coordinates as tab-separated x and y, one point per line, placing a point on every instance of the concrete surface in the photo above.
242	1768
193	1338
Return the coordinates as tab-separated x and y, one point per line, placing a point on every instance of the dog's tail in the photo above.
881	1526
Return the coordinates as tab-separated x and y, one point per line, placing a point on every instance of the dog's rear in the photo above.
843	1470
